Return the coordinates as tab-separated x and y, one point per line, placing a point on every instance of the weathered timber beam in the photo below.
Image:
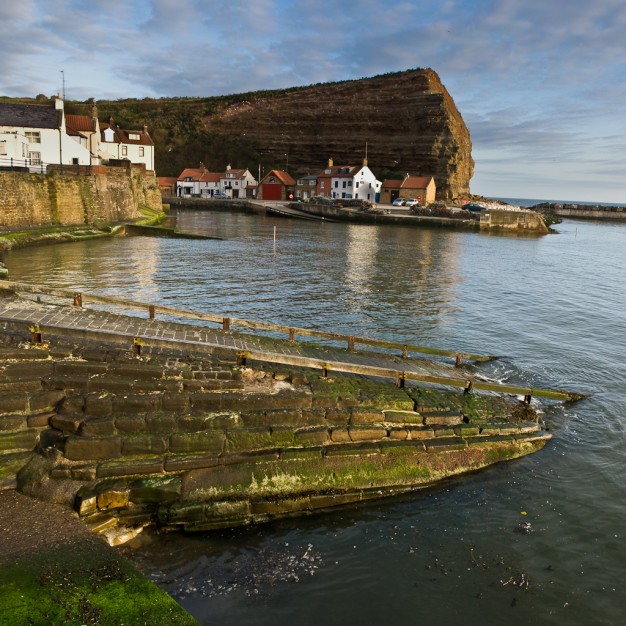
383	372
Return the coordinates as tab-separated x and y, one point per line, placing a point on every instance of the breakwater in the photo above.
582	211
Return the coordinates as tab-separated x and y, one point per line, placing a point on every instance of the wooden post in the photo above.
151	311
78	299
35	334
137	342
292	334
459	360
226	323
324	371
351	343
241	359
400	380
528	397
405	352
468	388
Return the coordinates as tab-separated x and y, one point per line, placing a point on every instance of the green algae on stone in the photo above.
85	583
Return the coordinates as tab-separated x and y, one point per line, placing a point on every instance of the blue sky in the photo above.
541	84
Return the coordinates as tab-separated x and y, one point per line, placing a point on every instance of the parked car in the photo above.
398	202
472	206
411	202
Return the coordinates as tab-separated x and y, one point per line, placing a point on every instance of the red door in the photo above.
271	191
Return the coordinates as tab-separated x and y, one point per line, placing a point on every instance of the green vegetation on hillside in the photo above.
179	130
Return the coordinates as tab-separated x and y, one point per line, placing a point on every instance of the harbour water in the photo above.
537	541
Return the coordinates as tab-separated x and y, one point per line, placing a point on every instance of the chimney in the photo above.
330	162
145	129
111	121
365	162
228	167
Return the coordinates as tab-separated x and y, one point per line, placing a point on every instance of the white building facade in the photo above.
42	128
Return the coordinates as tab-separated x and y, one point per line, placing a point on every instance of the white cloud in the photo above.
537	82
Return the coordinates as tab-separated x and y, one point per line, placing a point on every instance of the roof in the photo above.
211	177
284	177
191	172
166	181
139	137
340	171
79	123
28	116
416	182
237	173
392	183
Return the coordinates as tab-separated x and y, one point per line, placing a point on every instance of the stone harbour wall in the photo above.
111	195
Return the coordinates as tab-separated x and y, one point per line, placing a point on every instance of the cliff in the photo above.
408	120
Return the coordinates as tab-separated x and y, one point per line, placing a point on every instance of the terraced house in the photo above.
201	183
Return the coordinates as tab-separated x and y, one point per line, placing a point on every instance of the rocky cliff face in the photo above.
408	120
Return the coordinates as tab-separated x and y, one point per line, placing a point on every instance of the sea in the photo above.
540	540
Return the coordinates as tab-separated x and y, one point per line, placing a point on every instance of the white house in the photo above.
43	129
348	181
238	183
364	183
135	146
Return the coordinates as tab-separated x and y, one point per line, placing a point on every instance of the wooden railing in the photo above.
78	298
227	323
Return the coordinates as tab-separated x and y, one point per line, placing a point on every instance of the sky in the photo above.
541	84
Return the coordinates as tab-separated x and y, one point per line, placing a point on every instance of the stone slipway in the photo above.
96	325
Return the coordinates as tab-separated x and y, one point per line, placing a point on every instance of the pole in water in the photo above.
274	235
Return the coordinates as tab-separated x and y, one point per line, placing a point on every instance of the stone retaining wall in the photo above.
31	200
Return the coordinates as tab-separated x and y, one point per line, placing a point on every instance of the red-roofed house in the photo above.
167	186
422	188
135	146
277	185
85	130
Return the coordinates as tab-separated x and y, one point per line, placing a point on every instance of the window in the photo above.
141	151
3	147
124	150
336	184
322	185
357	185
75	161
349	183
35	158
312	183
134	136
33	136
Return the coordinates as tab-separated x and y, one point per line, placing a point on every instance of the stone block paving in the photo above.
55	316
